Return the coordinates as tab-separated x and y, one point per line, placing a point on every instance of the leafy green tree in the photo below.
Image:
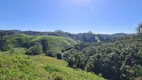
139	28
3	42
35	49
75	58
4	46
44	44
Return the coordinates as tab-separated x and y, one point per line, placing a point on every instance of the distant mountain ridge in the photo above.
84	37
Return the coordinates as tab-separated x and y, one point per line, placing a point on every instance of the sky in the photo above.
75	16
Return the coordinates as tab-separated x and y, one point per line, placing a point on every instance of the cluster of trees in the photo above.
3	41
117	60
111	60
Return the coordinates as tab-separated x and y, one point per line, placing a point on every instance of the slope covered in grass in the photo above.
39	68
51	45
56	43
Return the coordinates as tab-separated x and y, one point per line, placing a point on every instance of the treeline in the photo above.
84	37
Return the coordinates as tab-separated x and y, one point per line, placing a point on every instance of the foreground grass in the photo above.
39	68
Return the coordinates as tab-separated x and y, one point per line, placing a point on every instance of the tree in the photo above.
139	29
75	58
4	45
44	44
2	35
59	56
35	49
3	42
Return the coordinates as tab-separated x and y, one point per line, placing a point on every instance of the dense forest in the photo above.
113	57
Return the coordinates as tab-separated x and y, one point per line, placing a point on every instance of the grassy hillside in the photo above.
39	68
56	43
49	44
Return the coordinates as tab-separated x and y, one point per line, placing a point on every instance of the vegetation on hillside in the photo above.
50	45
122	58
20	67
116	58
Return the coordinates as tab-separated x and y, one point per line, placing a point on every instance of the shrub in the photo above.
52	68
50	53
57	76
59	56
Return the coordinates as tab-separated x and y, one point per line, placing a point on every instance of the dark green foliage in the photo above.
117	60
4	46
44	44
59	56
35	49
139	72
75	58
3	42
139	29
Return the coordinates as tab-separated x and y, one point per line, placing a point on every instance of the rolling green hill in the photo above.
84	37
56	43
22	67
50	45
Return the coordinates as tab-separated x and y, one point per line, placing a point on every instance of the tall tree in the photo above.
139	28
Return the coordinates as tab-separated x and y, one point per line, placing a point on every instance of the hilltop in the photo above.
84	37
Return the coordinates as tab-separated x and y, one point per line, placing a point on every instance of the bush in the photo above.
59	56
52	68
50	53
57	76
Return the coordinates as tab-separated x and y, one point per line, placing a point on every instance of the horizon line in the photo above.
105	33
